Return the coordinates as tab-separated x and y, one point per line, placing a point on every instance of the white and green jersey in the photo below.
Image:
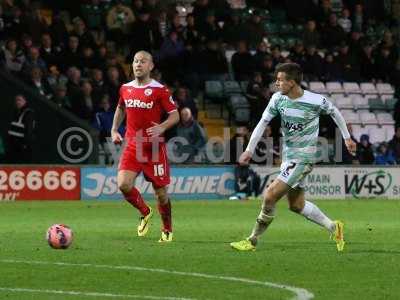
300	124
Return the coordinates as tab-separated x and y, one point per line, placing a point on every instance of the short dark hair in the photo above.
292	70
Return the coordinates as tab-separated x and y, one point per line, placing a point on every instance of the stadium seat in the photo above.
317	87
345	102
358	131
385	118
242	114
385	88
368	88
377	135
238	100
336	96
350	116
390	103
368	118
351	88
214	89
334	87
389	131
304	84
360	102
231	87
376	104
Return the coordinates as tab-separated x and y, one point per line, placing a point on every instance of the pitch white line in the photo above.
300	293
88	294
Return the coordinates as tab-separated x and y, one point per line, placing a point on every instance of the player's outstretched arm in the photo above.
159	129
118	118
337	116
258	132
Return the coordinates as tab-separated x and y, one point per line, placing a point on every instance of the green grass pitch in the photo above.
294	252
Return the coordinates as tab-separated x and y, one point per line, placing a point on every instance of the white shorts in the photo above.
293	173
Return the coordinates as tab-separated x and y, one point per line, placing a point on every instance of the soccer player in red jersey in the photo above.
144	101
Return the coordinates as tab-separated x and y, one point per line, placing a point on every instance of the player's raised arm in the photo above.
269	113
328	108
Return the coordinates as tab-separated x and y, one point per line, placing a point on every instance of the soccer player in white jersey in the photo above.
299	110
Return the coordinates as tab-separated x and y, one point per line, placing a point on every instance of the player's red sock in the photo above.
165	212
134	198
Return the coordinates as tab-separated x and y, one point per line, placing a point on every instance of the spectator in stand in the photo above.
257	97
86	38
71	56
347	158
200	11
60	97
365	154
74	84
21	133
39	84
34	60
87	104
26	43
2	25
119	21
194	135
355	43
394	145
297	54
176	25
191	34
88	60
15	26
58	30
242	62
113	83
389	43
137	6
261	52
238	143
163	23
367	63
331	69
324	12
183	99
12	56
145	34
333	34
358	18
210	30
101	57
310	35
103	121
313	64
50	54
213	64
384	155
267	69
255	29
344	21
35	23
277	57
170	55
384	64
55	78
98	84
234	30
93	13
348	63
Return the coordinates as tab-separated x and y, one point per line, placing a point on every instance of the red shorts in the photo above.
155	169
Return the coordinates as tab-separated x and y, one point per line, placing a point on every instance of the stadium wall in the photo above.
188	183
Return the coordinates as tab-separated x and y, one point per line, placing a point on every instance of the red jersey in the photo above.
144	105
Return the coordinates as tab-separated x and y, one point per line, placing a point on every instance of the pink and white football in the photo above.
59	236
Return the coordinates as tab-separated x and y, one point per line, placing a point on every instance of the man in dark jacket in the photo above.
21	133
395	144
365	154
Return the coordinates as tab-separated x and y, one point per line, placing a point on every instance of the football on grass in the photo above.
59	236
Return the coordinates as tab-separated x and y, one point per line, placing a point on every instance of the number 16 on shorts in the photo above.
159	170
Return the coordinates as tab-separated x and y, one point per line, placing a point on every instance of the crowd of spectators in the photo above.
77	54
